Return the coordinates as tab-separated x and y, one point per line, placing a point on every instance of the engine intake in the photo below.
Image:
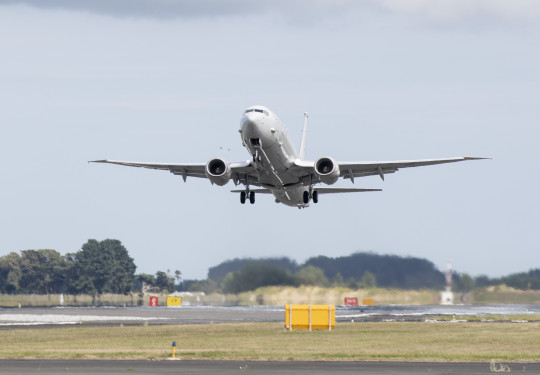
327	169
218	171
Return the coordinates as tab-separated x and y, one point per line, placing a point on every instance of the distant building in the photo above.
447	296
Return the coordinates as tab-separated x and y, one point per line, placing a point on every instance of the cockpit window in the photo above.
257	110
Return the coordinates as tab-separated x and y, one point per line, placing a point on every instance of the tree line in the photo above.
98	267
106	267
358	270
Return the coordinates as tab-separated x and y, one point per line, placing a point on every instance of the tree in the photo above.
338	280
218	273
10	273
164	282
43	271
352	283
368	280
103	267
255	275
311	275
463	284
178	276
123	267
390	271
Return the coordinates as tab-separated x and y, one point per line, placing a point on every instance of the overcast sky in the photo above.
167	81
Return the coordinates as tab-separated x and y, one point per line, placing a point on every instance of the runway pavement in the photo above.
13	318
113	367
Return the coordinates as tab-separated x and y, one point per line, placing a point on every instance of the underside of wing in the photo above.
305	170
351	170
184	170
242	172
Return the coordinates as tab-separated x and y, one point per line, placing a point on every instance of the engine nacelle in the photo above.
218	171
327	169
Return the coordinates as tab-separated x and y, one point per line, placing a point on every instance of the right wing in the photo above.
243	172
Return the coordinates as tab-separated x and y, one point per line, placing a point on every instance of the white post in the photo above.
290	317
329	317
310	317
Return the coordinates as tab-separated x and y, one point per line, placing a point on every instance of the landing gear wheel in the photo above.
306	197
251	197
315	196
242	197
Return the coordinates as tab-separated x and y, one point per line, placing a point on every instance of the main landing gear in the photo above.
314	196
244	194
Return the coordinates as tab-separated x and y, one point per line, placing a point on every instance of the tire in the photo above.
243	197
251	197
315	196
306	197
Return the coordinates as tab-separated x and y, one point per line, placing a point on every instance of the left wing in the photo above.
351	170
241	172
355	169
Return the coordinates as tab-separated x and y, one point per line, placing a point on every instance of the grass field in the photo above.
261	341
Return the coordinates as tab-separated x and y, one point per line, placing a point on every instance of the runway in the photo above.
113	367
58	316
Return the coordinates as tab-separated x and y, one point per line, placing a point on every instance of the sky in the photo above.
167	81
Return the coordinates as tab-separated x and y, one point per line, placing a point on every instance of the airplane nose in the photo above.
249	126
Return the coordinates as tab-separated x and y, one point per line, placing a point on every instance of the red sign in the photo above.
153	301
351	301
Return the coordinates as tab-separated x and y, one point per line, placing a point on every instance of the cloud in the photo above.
449	11
186	8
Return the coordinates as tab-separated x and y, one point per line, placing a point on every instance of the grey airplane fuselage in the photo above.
265	137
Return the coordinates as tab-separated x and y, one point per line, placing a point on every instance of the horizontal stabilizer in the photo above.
323	190
260	191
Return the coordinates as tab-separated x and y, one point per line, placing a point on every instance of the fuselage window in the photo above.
259	110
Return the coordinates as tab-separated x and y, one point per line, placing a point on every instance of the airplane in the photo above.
276	168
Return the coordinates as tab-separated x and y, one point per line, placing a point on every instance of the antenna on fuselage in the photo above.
304	135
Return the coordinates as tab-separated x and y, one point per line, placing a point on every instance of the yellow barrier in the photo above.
368	301
310	317
174	301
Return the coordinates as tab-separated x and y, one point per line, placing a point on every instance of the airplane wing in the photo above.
351	170
242	171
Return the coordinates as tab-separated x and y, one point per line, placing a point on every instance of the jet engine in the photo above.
218	171
327	169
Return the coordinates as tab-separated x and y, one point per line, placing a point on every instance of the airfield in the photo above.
90	336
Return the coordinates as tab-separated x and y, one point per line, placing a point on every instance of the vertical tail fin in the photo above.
304	135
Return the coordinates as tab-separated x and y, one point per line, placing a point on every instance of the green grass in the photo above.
269	341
